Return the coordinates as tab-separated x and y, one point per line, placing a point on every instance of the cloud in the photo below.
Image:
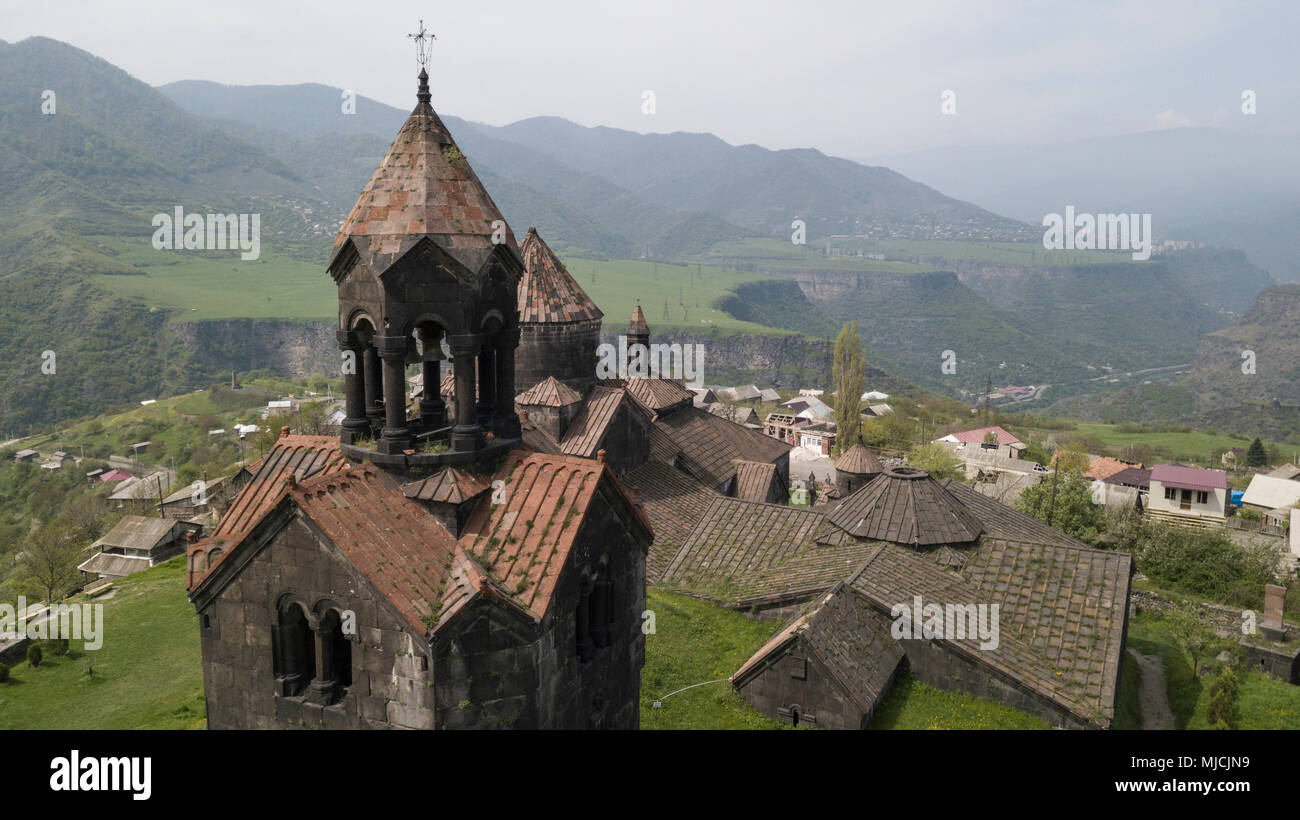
1169	118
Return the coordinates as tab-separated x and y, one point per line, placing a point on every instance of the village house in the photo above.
140	494
984	438
27	455
1122	489
136	543
1187	493
784	426
818	437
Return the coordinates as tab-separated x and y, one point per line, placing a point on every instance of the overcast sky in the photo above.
855	79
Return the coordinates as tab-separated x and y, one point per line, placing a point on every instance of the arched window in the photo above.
295	650
338	650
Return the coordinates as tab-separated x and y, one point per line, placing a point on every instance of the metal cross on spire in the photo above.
423	43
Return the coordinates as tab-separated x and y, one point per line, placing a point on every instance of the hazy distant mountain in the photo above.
1220	187
662	194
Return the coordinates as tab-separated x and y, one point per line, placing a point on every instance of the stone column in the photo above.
324	686
433	410
374	382
467	434
507	418
396	436
355	423
487	385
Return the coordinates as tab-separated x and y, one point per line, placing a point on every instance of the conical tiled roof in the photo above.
424	187
547	293
550	392
858	460
906	506
638	326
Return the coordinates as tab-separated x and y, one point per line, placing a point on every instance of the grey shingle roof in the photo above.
906	506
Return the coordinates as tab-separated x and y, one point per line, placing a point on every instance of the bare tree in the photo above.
50	557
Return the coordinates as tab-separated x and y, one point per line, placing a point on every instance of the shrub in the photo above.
34	655
4	673
60	646
1222	709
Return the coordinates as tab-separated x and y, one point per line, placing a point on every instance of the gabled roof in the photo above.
858	460
705	445
114	565
549	392
547	293
675	503
1287	471
1103	467
537	438
905	505
656	395
390	539
296	457
587	430
977	436
149	487
850	641
756	480
423	187
137	532
1270	492
524	542
1189	478
451	486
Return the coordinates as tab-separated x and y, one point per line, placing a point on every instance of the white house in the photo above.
1187	492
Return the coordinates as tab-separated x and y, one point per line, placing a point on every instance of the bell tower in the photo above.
426	265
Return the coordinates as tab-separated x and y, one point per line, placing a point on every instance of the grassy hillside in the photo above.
147	674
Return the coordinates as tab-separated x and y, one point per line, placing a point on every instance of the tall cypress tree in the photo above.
849	372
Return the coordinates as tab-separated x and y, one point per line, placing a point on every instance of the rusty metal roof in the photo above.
424	187
547	293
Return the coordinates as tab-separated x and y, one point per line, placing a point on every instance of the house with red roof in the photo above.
984	438
1183	492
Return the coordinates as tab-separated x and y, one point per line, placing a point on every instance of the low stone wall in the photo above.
1224	619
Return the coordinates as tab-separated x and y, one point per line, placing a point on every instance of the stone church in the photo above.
477	555
427	569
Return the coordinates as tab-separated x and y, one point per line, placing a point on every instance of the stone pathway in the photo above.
1156	714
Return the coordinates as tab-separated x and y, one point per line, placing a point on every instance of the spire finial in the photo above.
423	43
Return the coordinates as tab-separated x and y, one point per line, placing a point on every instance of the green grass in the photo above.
911	704
210	285
696	641
776	254
1128	706
689	290
1193	447
1262	702
147	674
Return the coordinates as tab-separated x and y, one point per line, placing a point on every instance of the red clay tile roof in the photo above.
547	293
391	539
451	486
524	542
550	392
858	460
424	186
1103	467
977	436
905	505
1189	478
301	457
